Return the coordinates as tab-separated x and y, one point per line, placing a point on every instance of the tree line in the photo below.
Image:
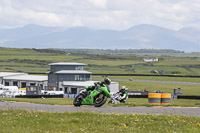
120	51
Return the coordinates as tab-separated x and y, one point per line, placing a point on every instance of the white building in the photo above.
7	74
74	87
22	81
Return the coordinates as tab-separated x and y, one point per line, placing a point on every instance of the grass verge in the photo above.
33	121
174	102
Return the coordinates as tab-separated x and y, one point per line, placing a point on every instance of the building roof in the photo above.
67	64
5	74
78	83
27	78
73	72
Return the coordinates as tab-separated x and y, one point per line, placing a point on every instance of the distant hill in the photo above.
138	37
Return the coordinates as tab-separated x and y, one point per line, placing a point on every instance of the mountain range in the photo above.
142	36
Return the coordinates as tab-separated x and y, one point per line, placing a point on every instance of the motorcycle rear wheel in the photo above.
78	99
99	101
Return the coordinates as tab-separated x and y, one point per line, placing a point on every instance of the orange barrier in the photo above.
154	98
165	98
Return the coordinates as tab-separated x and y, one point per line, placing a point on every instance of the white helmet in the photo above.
123	89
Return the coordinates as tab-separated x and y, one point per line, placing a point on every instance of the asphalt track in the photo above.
187	111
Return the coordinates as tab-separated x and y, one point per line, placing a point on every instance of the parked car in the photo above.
154	71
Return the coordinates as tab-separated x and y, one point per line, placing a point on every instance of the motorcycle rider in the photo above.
106	82
123	94
94	95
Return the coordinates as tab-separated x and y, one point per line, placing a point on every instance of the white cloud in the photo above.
25	16
77	22
100	14
99	3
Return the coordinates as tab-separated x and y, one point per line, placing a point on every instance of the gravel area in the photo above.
188	111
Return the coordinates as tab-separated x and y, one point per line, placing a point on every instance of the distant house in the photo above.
150	59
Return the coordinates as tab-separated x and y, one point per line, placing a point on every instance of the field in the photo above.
156	78
130	101
164	87
32	121
37	60
168	88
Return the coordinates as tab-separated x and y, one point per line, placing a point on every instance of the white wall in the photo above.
114	87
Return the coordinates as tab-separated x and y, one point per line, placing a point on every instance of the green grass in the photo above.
130	101
110	62
168	69
53	101
33	121
157	78
33	60
174	103
30	60
168	88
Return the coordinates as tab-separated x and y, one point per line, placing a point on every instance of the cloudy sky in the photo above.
100	14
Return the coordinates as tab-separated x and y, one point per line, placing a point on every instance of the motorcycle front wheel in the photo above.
78	99
100	100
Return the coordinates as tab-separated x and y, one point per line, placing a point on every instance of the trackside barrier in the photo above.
40	96
159	98
154	98
7	96
130	96
165	98
188	97
69	95
137	96
174	97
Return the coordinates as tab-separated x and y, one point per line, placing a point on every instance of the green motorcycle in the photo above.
97	96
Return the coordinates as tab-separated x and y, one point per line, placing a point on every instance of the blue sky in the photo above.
100	14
